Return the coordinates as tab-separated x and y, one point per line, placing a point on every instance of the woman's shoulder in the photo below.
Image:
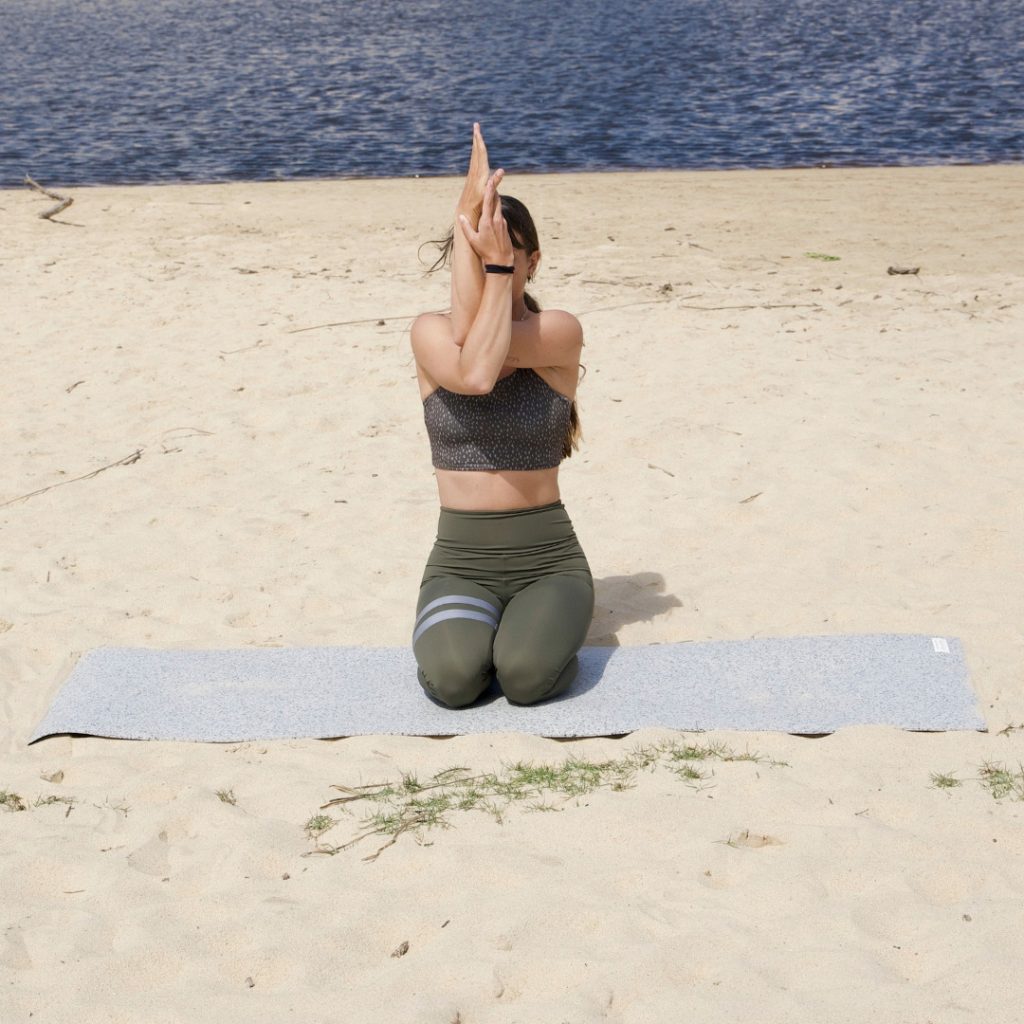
560	320
433	316
555	329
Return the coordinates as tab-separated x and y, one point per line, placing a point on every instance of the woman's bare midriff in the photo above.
494	490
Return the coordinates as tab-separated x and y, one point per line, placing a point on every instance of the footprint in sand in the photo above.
14	953
503	991
151	857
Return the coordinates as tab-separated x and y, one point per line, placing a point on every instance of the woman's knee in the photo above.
454	674
526	677
453	638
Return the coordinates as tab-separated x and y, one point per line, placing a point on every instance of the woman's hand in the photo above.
472	199
491	242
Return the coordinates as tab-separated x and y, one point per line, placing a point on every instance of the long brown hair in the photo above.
523	233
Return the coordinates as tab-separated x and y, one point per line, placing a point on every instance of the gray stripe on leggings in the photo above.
457	599
454	613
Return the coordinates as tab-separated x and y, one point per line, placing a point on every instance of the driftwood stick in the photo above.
126	461
597	309
65	201
641	302
769	305
345	323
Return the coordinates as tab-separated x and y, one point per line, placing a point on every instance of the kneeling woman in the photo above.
507	587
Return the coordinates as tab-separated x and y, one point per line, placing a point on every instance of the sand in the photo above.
212	390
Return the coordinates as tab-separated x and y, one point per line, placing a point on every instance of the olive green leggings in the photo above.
507	593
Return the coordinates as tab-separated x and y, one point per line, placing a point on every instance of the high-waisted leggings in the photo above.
508	594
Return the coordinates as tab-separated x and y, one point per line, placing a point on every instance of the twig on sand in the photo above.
65	201
684	305
126	461
766	305
345	323
597	309
641	302
410	823
244	348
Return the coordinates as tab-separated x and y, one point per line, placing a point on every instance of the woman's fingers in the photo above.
489	193
477	174
495	182
491	188
478	161
490	240
472	237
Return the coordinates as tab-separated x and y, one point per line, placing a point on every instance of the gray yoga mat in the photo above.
804	684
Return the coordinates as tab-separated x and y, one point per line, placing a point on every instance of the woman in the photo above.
507	587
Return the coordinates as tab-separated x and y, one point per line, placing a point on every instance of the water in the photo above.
140	91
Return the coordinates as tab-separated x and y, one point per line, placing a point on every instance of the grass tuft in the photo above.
999	780
11	801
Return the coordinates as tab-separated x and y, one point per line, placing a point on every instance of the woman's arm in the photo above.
486	345
473	367
554	340
488	338
467	269
467	277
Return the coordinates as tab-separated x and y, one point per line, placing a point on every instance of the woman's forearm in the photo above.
467	279
487	342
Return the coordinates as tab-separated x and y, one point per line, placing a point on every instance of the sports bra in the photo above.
521	424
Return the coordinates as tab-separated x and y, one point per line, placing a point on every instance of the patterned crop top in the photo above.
521	424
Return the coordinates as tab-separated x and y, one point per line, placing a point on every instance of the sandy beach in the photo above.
212	437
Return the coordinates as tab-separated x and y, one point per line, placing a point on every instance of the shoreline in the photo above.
526	173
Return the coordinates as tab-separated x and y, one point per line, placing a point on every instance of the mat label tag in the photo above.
940	644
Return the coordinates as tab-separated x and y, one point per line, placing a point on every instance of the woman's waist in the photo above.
496	489
506	561
541	528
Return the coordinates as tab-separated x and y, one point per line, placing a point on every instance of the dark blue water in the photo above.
132	91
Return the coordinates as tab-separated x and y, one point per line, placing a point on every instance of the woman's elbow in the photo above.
477	385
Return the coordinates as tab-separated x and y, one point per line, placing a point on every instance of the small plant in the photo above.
821	256
42	801
998	779
1002	782
319	824
11	801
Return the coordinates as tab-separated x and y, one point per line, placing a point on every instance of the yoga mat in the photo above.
804	684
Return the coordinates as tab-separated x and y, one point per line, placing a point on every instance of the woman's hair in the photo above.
523	233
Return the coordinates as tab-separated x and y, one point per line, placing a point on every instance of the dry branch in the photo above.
126	461
346	323
65	201
767	305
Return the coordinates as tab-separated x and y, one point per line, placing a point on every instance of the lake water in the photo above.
111	91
